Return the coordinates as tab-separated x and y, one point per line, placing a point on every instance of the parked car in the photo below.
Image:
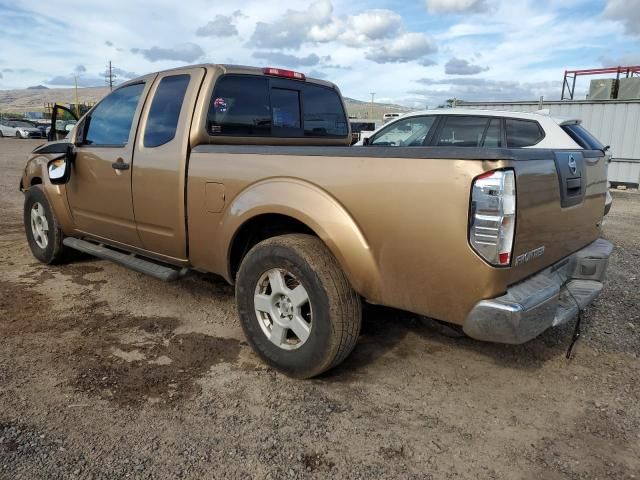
248	173
484	129
387	117
359	126
19	129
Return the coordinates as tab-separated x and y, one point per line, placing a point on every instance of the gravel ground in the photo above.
105	373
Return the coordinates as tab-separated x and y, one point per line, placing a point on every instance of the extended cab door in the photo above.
159	172
99	189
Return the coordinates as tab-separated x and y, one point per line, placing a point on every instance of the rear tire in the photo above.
296	306
41	226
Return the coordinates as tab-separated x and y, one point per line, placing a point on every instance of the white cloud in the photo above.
457	6
626	12
220	26
407	47
290	31
381	32
457	66
186	52
286	60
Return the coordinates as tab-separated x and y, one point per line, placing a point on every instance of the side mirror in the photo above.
366	141
59	169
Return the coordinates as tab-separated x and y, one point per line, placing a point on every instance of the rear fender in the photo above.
316	209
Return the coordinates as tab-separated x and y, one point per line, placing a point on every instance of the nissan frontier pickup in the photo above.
248	173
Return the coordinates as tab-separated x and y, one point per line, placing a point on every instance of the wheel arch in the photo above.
293	206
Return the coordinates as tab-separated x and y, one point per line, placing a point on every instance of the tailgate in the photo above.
560	206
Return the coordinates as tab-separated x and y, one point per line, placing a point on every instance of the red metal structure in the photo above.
573	74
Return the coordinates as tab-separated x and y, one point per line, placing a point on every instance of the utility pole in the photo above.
373	94
75	77
109	76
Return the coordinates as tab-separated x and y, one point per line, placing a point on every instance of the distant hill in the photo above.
34	99
363	109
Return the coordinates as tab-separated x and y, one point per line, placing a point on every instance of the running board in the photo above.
130	260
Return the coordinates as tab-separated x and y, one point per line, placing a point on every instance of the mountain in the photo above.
38	87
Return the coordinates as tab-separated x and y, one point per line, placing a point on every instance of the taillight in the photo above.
281	72
492	217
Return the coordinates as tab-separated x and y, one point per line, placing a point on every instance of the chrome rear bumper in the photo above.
547	299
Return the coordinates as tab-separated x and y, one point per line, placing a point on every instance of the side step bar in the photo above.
130	260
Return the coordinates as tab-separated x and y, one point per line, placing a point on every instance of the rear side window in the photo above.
493	137
523	133
582	137
462	131
165	110
261	106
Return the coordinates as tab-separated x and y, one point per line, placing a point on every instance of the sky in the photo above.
415	53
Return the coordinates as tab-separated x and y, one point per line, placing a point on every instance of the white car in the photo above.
19	129
461	127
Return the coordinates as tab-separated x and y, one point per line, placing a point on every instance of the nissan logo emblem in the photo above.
573	167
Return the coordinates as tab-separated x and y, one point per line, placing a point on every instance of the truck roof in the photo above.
238	69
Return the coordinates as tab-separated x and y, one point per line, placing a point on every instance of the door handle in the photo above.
120	165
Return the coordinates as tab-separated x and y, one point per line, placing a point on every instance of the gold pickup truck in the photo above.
248	173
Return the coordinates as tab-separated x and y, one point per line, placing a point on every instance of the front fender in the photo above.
318	210
35	173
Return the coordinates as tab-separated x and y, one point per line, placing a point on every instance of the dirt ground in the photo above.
106	373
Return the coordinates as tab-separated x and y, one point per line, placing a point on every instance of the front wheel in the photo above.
297	308
18	134
41	226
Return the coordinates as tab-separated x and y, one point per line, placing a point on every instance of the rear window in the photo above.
582	137
165	110
523	133
262	106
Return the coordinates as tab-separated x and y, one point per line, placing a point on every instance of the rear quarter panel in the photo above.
412	214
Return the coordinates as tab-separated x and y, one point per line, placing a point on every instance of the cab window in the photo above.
249	105
110	122
408	132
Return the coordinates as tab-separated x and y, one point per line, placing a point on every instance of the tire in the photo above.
1	134
18	135
45	238
333	312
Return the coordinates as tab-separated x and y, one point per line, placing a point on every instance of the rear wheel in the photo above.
296	306
41	226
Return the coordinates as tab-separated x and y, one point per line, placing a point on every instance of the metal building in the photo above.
614	122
